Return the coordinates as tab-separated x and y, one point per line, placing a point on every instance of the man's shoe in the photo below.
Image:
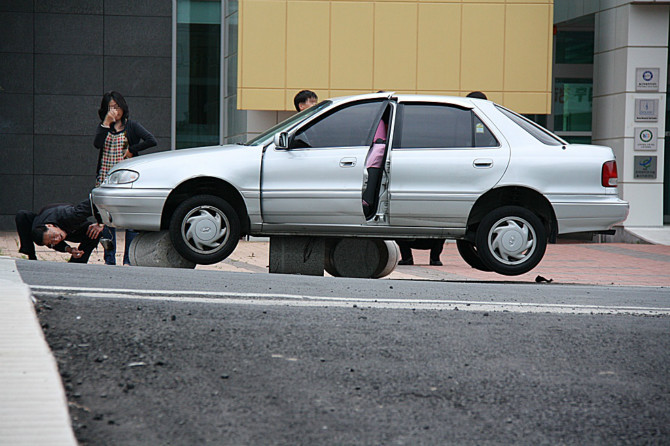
435	263
406	262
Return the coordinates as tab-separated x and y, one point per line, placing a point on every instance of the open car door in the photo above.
317	179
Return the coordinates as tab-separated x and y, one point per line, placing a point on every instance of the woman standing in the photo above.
117	138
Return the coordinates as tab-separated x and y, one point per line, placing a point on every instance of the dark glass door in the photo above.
198	98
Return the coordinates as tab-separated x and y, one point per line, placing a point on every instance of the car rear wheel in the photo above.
205	229
468	252
511	240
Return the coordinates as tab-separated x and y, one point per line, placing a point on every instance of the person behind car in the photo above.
56	223
117	138
476	95
406	246
435	245
305	99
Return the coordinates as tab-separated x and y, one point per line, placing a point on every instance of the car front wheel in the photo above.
511	240
205	229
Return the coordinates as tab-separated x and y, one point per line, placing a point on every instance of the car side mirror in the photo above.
281	140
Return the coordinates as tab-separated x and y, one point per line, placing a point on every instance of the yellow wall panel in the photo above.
440	92
495	96
261	99
527	40
439	49
307	44
262	44
530	103
340	93
351	47
483	47
345	47
395	46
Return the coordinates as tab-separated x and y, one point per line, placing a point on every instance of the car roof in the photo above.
453	100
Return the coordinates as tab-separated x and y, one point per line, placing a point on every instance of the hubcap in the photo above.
205	229
512	240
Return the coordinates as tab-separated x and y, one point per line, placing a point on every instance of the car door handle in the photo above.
347	162
482	163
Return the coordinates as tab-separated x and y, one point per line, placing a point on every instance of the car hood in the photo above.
182	156
235	164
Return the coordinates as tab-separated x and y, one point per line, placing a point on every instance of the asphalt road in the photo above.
202	357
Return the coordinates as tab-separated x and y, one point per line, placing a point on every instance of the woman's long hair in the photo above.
120	101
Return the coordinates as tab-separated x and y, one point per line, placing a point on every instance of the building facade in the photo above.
202	72
610	88
57	58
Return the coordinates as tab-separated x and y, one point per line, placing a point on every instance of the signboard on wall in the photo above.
645	138
644	167
647	79
646	110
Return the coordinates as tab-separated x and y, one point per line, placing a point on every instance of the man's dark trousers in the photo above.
435	245
24	226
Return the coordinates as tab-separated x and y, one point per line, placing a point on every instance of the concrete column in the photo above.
297	255
628	37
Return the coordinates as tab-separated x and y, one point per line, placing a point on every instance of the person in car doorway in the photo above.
55	224
304	100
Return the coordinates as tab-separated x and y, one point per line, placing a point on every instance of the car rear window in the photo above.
535	130
441	126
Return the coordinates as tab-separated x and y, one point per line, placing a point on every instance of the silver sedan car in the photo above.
382	166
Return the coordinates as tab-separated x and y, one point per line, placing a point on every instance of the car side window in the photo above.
483	136
434	126
441	126
349	126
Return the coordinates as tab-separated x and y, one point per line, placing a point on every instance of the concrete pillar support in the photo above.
630	37
297	255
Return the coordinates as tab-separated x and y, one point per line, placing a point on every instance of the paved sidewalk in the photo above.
33	409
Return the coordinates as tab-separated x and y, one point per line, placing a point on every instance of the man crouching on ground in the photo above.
54	225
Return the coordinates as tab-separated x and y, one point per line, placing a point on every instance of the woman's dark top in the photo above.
138	137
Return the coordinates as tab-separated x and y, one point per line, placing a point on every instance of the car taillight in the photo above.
610	176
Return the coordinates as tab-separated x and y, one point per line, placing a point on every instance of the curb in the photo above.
33	406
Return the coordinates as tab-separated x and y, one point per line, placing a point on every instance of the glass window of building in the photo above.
572	108
573	105
198	105
574	47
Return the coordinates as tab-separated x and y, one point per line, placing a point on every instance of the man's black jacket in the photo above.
67	217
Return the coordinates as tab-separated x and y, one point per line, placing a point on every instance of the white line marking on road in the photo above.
230	298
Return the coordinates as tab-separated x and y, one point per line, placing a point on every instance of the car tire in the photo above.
511	240
205	229
468	252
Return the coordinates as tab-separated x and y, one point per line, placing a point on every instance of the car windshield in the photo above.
265	137
538	132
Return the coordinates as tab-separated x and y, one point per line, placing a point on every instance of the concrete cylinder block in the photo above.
362	258
155	249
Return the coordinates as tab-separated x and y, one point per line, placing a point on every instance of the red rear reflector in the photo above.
609	174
